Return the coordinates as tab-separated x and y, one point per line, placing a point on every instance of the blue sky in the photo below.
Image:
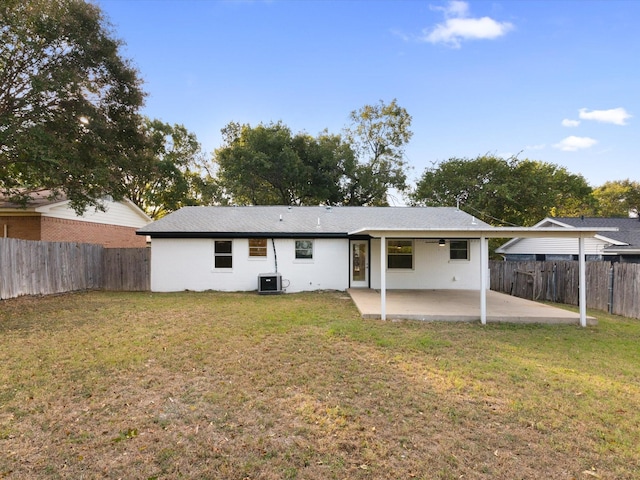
550	80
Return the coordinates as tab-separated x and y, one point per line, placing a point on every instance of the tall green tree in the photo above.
378	134
511	191
259	166
68	102
618	198
267	164
329	161
170	171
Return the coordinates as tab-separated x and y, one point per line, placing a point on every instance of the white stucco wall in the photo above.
188	264
432	268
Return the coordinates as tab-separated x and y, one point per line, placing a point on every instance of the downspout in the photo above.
275	254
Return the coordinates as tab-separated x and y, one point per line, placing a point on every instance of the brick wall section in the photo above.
61	230
25	228
110	236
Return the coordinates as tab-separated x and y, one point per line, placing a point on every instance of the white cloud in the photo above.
540	146
455	8
570	123
573	143
458	26
617	116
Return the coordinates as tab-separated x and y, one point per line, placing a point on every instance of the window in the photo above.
304	249
257	247
400	254
222	254
459	250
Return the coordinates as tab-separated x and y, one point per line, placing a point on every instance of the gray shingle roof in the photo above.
311	221
628	228
37	199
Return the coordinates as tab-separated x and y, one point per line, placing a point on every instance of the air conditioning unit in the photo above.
269	283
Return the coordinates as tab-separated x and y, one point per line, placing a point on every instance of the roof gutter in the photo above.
489	232
486	232
242	234
621	251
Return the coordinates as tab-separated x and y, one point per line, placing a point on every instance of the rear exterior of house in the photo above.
310	248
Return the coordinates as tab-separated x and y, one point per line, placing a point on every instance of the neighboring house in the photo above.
313	248
55	221
622	245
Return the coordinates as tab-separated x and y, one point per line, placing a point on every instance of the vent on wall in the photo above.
269	283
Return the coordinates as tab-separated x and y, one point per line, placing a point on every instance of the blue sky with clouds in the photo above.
550	80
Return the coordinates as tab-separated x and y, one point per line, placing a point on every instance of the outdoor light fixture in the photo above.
441	242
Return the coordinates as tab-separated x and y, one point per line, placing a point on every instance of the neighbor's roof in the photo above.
621	233
38	198
281	221
628	228
45	202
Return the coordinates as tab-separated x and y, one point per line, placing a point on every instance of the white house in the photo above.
622	244
293	249
312	248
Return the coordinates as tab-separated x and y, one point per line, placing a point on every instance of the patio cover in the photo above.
483	234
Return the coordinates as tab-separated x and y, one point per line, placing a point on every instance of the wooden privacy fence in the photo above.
41	268
126	269
614	288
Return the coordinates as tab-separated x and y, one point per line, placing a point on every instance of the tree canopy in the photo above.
170	171
268	164
505	191
618	198
68	102
378	135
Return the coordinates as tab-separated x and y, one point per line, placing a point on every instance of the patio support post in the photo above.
383	278
582	298
484	262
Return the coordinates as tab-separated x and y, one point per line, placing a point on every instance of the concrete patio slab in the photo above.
459	306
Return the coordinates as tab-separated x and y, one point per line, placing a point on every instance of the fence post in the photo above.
611	276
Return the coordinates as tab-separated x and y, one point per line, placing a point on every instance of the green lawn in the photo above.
298	386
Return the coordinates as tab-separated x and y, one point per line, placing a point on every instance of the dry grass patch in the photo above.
240	386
